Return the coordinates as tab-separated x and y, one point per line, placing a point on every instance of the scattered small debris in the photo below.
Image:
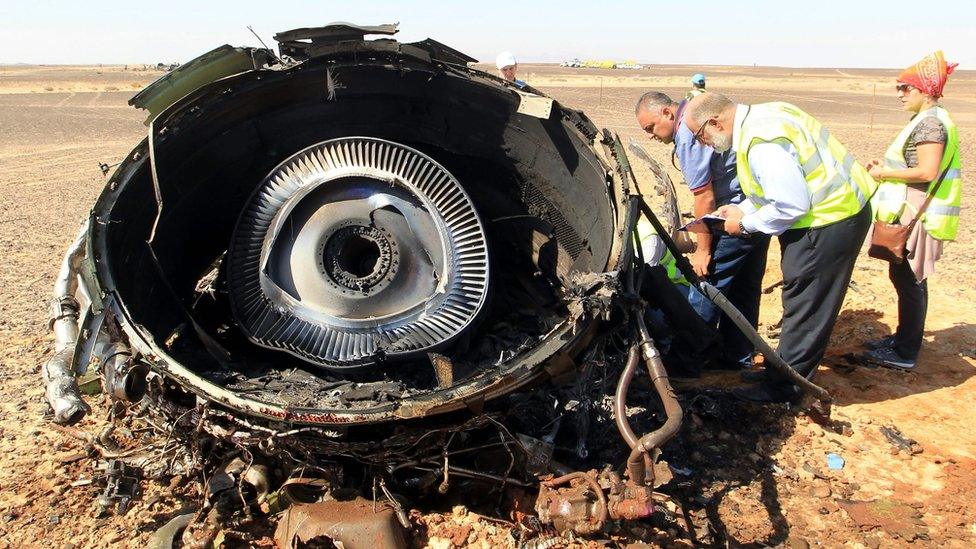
813	471
165	536
683	471
122	486
900	441
894	517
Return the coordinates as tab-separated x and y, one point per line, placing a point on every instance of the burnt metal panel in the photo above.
335	32
217	63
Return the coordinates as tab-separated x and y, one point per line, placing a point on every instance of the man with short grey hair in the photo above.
801	184
733	265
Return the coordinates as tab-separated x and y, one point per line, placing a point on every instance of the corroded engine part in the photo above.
309	254
356	524
61	385
124	378
585	502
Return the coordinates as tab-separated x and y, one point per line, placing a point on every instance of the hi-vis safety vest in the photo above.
839	187
693	93
652	246
941	218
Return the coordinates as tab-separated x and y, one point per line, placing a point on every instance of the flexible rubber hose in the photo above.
715	296
772	357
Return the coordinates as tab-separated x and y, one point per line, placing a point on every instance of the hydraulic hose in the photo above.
620	410
640	463
620	397
644	448
772	357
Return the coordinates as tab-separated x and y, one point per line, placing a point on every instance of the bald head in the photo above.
716	113
708	105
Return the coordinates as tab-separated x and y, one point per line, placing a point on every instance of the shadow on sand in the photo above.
940	364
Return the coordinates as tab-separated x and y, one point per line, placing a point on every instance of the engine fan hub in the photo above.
358	249
359	258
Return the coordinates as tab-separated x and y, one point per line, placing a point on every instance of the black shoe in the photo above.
764	394
752	376
884	342
889	357
731	365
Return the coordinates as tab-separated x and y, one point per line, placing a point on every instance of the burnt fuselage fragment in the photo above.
291	241
368	262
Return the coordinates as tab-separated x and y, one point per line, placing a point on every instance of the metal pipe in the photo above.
672	409
61	387
620	397
620	406
124	378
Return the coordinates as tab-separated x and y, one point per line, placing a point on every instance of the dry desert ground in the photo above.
57	123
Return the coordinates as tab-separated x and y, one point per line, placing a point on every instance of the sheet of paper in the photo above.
705	224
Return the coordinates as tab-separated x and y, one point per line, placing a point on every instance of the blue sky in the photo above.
824	33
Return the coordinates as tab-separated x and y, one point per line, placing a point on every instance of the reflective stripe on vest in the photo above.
652	246
838	186
941	218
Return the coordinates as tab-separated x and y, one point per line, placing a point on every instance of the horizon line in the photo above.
552	63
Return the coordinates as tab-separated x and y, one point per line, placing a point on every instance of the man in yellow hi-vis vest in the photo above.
655	253
801	184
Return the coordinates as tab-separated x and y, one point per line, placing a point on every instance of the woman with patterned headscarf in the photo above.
925	151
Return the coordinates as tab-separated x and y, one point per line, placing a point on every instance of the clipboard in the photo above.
706	224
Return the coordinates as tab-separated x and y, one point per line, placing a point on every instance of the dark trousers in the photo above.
913	301
817	266
737	269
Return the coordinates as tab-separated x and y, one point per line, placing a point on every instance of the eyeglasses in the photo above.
700	134
904	88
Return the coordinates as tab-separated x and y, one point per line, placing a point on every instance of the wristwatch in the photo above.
742	230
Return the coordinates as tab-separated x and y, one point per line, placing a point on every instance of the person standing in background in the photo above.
925	149
507	68
697	86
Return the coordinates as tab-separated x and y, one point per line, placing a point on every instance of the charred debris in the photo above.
356	277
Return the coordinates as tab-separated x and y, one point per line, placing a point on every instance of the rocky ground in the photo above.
744	475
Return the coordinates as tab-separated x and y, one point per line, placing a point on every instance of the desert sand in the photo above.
57	123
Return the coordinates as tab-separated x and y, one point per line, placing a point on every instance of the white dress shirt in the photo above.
776	166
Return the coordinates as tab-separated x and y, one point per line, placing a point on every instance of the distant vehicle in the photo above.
573	63
597	64
629	65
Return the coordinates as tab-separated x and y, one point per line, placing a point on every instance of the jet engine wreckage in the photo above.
362	269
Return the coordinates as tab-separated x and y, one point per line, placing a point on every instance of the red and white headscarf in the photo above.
928	75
